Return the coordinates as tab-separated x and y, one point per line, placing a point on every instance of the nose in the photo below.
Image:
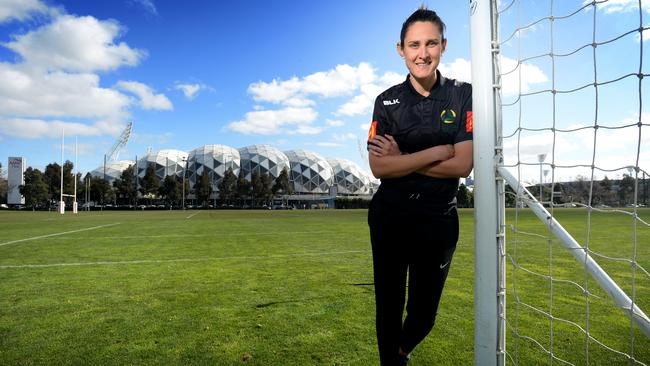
422	52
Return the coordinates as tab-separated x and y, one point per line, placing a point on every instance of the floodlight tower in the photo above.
114	153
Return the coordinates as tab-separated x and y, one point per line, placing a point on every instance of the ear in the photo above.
400	50
444	44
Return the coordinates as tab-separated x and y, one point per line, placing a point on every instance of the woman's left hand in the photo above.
383	146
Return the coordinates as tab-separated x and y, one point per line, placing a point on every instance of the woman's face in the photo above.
422	48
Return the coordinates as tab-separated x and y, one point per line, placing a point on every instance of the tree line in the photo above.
43	189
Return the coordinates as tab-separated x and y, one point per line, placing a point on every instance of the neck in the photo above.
423	86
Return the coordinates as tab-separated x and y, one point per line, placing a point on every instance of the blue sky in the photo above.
293	74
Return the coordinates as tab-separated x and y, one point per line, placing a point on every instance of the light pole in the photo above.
540	158
544	182
184	170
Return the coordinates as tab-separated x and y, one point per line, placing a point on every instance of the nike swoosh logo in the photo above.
444	265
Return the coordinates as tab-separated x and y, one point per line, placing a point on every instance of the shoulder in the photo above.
388	96
457	86
458	91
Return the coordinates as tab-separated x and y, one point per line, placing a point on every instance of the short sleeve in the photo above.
379	123
466	130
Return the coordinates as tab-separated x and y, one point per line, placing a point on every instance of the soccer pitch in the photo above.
277	288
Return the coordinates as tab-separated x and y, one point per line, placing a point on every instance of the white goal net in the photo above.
562	266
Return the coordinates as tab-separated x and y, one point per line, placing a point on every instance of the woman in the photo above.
420	143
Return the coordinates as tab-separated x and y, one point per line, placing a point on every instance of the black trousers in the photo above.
413	236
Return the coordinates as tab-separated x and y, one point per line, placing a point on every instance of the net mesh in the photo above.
575	130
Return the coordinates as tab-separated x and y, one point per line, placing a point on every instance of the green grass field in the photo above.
281	288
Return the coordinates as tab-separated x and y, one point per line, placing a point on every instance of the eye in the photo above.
433	43
414	45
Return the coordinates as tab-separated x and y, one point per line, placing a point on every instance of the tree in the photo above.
228	186
626	190
52	177
256	186
266	191
282	185
243	188
125	187
203	188
68	177
150	182
4	186
170	189
35	189
100	191
463	196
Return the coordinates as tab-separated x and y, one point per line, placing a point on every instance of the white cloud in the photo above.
35	128
334	123
615	150
344	136
459	69
148	5
189	90
342	80
21	9
620	6
365	126
28	92
530	74
273	122
275	91
75	44
364	102
148	99
298	102
328	144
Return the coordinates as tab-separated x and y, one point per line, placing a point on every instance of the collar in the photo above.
413	97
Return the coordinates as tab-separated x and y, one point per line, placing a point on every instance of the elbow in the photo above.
466	171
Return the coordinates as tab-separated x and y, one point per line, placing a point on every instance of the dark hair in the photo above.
422	15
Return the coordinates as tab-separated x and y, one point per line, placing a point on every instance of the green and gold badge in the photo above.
448	116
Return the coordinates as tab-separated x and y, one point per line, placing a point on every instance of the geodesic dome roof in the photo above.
262	159
166	162
217	159
113	169
309	172
349	177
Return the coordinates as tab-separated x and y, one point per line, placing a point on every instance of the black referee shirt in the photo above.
417	123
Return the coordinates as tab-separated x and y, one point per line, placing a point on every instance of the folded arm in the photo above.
460	165
386	161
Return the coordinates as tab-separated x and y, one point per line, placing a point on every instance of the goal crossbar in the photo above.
580	253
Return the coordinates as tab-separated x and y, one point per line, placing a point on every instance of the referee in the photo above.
420	143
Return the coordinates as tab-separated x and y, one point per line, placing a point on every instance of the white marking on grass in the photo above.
205	259
219	234
57	234
194	214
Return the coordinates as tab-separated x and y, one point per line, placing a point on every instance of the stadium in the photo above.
314	178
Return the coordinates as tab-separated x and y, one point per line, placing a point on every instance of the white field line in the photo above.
211	235
194	214
204	259
57	234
